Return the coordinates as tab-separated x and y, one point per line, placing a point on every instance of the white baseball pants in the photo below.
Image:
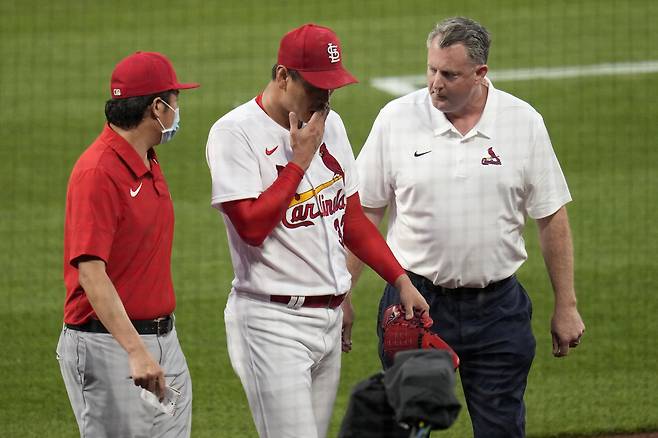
288	361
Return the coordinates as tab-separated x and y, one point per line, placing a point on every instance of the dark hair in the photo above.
294	74
128	113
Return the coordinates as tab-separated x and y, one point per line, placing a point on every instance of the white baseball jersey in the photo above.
304	254
459	202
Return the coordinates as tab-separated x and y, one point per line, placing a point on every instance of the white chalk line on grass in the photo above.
401	85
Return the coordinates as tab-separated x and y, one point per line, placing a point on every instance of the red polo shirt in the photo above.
121	212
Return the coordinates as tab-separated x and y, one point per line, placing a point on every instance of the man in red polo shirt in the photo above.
118	233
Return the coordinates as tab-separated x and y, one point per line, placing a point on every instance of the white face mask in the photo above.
168	133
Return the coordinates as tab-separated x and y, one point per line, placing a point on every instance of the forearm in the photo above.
378	256
557	249
365	242
354	267
107	305
354	264
254	219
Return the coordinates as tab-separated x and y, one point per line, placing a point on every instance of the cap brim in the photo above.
328	79
187	86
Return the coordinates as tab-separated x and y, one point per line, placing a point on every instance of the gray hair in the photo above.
463	30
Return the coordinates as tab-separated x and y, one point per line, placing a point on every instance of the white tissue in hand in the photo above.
167	405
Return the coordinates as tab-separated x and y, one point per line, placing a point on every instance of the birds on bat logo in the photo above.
491	159
324	202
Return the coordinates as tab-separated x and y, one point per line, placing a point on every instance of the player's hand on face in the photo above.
146	372
567	329
306	140
348	321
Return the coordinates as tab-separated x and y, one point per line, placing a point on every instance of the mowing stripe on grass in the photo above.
401	85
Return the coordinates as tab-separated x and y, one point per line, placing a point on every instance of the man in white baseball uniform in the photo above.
461	166
283	177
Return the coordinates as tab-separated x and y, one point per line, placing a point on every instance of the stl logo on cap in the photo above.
334	54
314	52
116	92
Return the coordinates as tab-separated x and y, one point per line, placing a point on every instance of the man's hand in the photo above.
567	328
412	300
348	321
108	307
401	334
146	372
306	141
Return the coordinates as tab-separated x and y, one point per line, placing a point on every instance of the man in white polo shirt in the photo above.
283	176
461	165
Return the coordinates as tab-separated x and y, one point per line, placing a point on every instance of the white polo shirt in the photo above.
458	204
304	254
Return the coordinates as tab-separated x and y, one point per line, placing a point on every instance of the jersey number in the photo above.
338	225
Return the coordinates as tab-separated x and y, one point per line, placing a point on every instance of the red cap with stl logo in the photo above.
143	74
314	51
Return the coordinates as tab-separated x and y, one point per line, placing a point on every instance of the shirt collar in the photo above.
485	126
441	125
126	151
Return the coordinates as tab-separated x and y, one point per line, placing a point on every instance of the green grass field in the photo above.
56	59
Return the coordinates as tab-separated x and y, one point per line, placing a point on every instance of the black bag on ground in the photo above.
420	387
369	414
418	391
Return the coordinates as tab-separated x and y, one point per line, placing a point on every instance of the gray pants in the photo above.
106	402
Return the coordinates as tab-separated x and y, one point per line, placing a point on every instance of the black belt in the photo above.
159	326
427	284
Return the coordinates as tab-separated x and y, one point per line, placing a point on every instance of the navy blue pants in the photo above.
490	331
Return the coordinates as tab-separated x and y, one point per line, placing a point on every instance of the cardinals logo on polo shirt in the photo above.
302	209
492	158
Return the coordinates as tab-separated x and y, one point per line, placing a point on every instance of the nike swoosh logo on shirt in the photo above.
271	151
417	154
134	193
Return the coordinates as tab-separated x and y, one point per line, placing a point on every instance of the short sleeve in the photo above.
349	164
374	188
546	187
351	175
93	214
233	167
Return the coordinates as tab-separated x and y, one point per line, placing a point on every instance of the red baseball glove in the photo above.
401	334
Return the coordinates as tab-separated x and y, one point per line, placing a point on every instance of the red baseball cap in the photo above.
314	51
143	74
